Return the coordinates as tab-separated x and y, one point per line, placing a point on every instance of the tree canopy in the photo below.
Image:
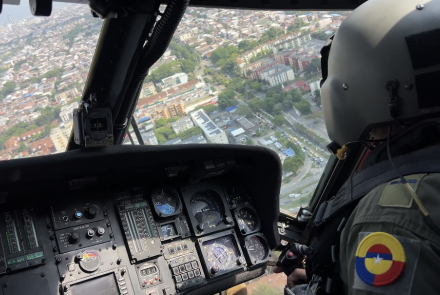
244	110
271	34
190	132
227	99
247	45
279	120
7	89
314	66
317	97
320	35
208	108
165	133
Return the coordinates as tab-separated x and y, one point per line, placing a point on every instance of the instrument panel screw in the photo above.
420	6
409	86
344	86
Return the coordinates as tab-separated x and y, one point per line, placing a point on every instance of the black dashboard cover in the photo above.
24	180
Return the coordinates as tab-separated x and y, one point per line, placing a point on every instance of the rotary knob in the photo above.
91	211
90	233
74	238
215	269
100	231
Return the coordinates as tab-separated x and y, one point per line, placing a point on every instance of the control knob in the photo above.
91	211
215	269
74	238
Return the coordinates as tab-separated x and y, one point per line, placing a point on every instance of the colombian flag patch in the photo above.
380	259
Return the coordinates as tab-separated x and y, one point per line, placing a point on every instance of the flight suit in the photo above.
390	209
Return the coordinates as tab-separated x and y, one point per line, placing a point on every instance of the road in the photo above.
291	186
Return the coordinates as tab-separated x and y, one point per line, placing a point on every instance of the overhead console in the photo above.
138	220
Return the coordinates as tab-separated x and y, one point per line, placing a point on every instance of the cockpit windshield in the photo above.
247	77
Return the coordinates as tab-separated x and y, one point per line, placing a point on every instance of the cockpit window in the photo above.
229	76
244	77
44	63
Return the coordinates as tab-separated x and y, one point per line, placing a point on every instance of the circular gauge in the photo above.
257	248
221	254
166	202
207	209
89	260
247	220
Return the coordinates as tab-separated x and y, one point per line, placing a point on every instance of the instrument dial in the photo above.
247	220
166	203
257	248
221	254
207	209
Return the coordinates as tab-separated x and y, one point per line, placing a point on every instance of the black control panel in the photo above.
170	233
19	242
139	228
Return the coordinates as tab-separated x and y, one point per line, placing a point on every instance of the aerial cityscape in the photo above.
228	76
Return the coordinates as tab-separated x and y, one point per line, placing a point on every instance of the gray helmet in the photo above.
383	62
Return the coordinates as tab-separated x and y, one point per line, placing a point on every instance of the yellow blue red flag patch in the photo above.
380	259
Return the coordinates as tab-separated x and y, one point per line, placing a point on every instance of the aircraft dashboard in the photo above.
138	220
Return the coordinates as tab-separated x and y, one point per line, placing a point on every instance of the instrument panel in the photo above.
176	237
153	238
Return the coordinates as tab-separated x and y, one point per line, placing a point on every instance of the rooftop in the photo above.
245	123
196	139
204	122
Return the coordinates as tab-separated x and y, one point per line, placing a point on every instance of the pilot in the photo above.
381	88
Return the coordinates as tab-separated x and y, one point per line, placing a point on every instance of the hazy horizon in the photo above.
19	12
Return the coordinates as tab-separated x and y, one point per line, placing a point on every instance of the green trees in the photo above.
247	45
227	99
320	35
187	66
165	133
317	98
208	108
184	52
314	66
296	25
255	104
190	132
161	122
46	117
279	120
53	73
7	89
224	52
173	119
164	71
292	164
271	34
303	106
246	111
224	58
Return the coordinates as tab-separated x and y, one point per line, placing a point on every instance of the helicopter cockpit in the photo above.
194	143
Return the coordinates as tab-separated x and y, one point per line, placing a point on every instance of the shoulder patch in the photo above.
396	195
385	263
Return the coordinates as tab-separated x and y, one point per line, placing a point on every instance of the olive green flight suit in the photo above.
390	208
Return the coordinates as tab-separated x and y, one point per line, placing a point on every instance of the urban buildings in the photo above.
182	125
212	133
148	89
277	74
150	138
60	136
